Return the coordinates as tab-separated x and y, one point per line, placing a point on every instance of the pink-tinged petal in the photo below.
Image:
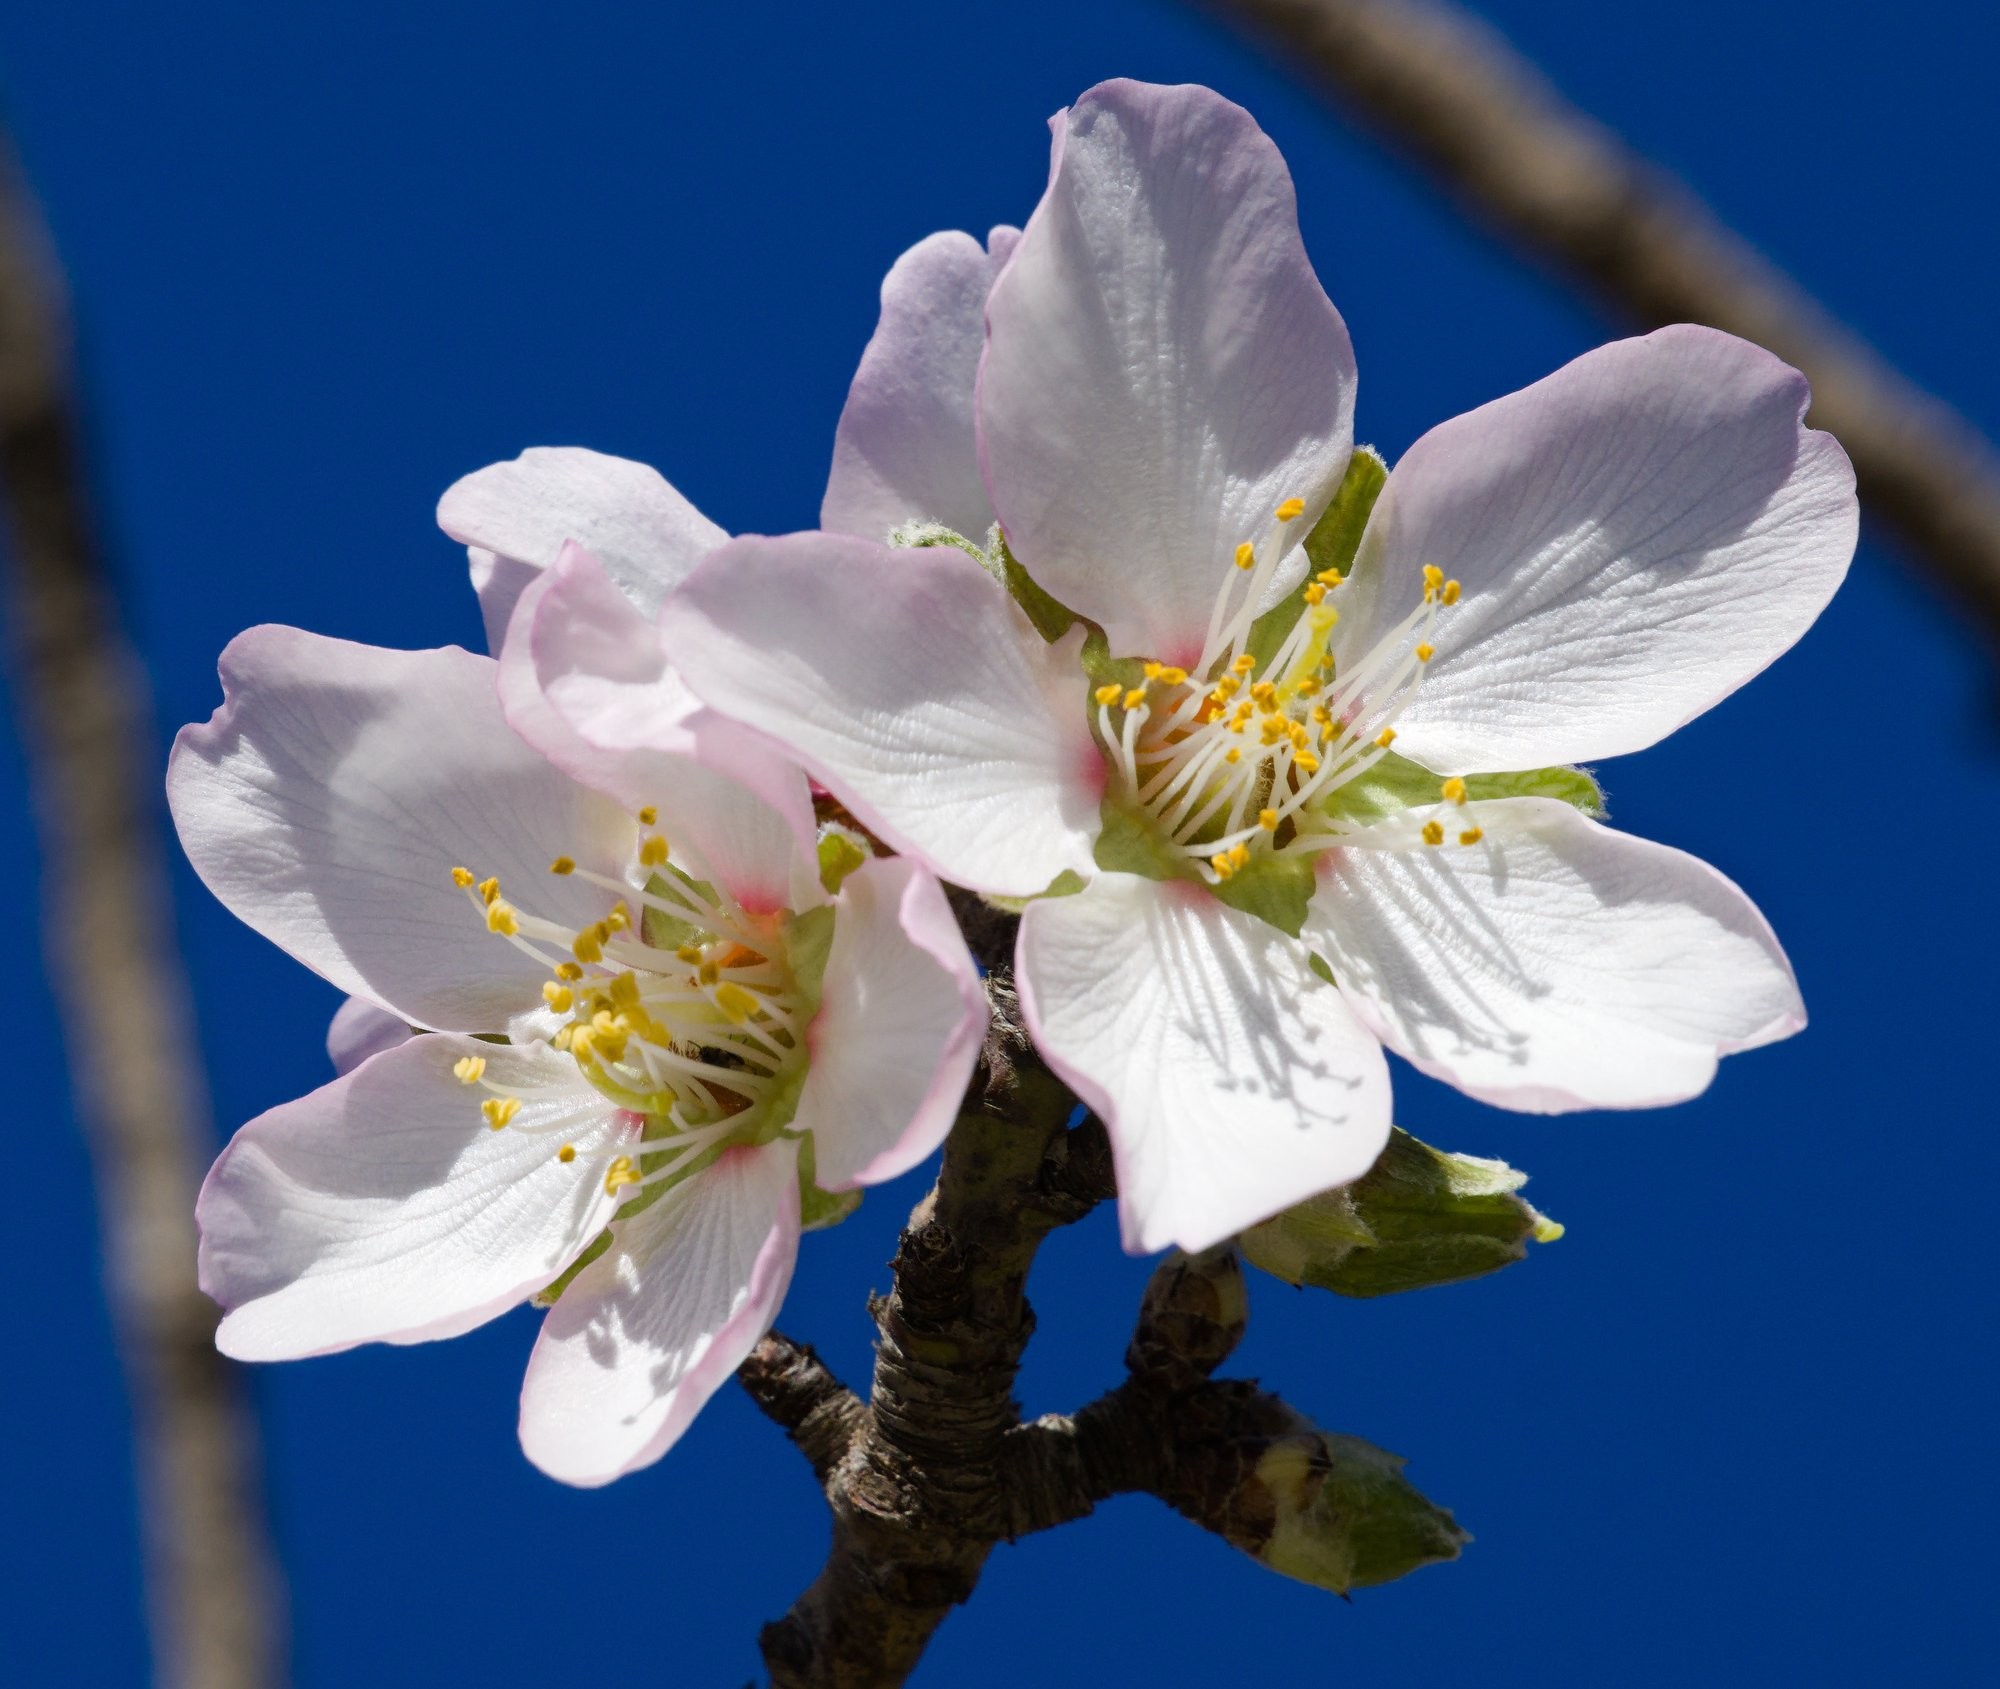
1636	536
360	1030
907	682
1162	369
1233	1080
516	516
328	800
584	680
382	1208
650	1330
901	1018
1554	965
905	447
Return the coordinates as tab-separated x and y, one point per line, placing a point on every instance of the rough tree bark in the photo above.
936	1468
212	1584
1440	86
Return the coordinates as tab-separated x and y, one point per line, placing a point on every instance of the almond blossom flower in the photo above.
649	1027
1184	724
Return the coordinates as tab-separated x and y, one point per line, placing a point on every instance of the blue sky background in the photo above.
1734	1428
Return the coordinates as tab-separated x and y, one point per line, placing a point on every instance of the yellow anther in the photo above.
620	1174
652	851
1272	730
1425	653
499	1110
489	889
1153	671
1329	577
1451	592
566	1154
1433	833
739	1005
1233	754
617	918
1453	790
569	971
1291	509
563	865
708	973
1171	676
688	953
469	1070
1246	555
558	996
1222	865
1264	693
1239	856
1306	761
1471	835
500	918
589	947
1243	664
1109	693
1135	697
461	877
1386	737
1268	820
648	816
625	991
1226	688
1299	736
1314	592
1319	715
1433	580
563	1037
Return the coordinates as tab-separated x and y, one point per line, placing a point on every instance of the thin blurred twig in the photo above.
211	1582
1442	87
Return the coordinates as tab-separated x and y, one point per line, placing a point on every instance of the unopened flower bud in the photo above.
1418	1217
1344	1517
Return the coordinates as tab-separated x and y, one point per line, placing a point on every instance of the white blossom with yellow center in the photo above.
652	1040
1250	864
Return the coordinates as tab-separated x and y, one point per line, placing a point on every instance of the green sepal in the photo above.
548	1295
1066	884
922	536
1419	1217
662	930
841	851
1396	783
1052	620
1345	1515
1102	668
1273	887
819	1209
1334	540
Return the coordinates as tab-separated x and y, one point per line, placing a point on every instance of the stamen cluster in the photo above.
1245	757
688	1016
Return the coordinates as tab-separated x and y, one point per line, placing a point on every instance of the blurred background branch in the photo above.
122	995
1441	87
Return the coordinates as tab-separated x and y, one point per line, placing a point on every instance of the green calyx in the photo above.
1344	1515
1274	888
1419	1217
1395	783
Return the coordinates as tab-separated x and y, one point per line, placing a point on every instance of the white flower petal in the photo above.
361	1029
584	680
515	517
645	1334
1233	1080
1636	535
381	1208
329	798
905	446
907	682
1162	369
1556	964
899	1028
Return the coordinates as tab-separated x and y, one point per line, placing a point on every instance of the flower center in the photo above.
688	1016
1243	755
